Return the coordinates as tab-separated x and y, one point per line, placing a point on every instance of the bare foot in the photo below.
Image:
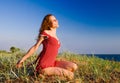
41	76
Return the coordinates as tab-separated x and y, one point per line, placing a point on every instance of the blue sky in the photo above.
85	26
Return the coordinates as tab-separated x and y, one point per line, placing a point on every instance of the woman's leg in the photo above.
57	71
66	65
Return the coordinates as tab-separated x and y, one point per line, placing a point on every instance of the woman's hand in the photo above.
30	52
19	64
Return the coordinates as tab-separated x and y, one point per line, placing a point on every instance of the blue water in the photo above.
113	57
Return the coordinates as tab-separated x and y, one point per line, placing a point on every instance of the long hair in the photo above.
44	25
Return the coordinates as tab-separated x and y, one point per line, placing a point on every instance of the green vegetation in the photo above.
91	69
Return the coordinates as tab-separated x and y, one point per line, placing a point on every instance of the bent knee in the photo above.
74	67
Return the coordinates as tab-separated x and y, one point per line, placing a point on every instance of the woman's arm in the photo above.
30	52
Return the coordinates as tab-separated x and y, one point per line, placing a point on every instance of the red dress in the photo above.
49	52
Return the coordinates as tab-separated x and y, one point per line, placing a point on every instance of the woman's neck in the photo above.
53	30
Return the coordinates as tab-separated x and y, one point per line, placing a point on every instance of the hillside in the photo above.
91	69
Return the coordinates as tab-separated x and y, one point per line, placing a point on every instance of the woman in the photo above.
47	64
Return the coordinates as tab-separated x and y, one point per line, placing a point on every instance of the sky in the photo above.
85	26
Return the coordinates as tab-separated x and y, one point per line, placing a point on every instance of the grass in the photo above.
91	69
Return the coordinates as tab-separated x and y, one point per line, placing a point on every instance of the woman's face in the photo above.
53	22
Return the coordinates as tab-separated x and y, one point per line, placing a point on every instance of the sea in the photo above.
112	57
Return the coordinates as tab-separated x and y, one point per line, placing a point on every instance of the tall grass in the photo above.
91	69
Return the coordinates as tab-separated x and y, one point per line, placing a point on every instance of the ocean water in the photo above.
113	57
